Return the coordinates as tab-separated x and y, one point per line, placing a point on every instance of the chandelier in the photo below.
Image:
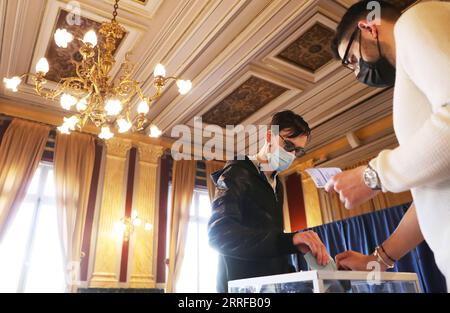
93	93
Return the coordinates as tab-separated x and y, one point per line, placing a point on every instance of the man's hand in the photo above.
355	261
310	241
351	187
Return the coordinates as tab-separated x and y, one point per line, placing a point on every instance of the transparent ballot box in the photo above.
329	282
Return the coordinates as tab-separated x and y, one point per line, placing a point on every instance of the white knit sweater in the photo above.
422	123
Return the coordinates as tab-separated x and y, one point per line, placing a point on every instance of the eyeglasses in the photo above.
345	61
289	147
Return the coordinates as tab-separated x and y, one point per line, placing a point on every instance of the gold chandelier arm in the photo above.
82	71
139	92
169	78
63	85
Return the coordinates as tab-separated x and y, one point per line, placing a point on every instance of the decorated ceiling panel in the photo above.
60	59
245	100
311	50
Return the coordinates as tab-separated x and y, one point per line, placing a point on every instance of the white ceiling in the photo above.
216	44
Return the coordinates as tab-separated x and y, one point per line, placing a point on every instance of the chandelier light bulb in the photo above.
119	227
137	222
82	105
71	122
148	226
67	101
184	86
122	227
143	107
159	71
64	129
42	66
91	38
62	37
124	125
113	107
105	133
12	83
155	132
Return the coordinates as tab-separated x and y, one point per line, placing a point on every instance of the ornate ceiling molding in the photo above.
311	50
249	97
2	21
219	44
362	114
20	26
144	8
307	36
363	152
197	41
237	54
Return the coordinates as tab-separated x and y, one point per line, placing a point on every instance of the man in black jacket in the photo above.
246	226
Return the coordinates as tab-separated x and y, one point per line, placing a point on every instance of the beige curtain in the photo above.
74	163
211	167
183	183
333	209
20	153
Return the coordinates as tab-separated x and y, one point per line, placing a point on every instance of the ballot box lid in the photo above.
318	276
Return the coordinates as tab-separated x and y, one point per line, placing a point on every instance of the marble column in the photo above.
109	244
142	269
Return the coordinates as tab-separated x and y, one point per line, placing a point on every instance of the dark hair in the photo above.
294	122
354	14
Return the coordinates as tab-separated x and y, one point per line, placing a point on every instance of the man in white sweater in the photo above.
412	51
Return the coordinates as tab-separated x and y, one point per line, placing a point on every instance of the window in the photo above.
199	268
30	255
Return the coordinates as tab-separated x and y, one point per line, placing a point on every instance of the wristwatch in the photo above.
371	178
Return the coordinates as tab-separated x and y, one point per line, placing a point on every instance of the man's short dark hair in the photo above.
354	14
288	120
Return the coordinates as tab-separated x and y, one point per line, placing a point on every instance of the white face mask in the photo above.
280	159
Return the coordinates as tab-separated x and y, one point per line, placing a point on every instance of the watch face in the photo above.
370	178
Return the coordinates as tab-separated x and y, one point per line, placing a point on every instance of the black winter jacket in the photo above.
246	226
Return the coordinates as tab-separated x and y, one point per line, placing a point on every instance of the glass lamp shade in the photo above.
42	66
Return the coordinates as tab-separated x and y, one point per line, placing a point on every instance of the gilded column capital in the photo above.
300	169
149	153
118	147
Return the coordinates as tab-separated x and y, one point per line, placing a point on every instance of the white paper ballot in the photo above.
331	285
321	175
313	265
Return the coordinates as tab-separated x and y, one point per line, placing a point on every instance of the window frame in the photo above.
37	199
194	217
